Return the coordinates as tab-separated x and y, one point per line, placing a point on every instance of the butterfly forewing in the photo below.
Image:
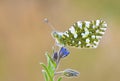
86	34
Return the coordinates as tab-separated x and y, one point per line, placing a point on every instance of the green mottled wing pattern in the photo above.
86	34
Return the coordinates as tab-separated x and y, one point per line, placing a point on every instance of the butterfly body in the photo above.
86	34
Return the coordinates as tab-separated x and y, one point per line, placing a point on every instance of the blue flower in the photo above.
63	52
60	54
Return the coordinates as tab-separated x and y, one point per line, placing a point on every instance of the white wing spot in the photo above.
97	22
86	31
94	46
93	36
73	41
87	23
60	33
83	35
79	42
93	26
66	34
96	42
79	23
88	44
97	31
102	33
105	24
103	29
98	37
75	35
87	40
72	30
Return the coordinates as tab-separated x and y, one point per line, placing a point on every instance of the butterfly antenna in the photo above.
49	24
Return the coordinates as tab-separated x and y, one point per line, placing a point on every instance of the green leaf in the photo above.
51	60
45	75
59	79
47	71
51	65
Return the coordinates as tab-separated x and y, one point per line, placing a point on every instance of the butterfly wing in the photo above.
86	34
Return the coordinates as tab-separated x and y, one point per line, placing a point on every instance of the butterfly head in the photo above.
58	36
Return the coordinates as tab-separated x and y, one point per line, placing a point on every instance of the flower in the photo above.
63	52
55	56
70	73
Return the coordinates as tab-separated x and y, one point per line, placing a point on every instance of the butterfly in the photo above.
82	34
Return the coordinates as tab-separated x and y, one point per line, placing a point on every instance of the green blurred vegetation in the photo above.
24	38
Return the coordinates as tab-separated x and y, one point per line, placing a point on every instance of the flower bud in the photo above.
71	73
55	56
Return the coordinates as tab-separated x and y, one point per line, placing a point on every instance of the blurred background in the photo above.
24	38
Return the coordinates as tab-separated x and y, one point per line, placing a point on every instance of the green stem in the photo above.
47	71
60	72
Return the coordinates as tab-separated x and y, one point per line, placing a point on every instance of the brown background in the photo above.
24	38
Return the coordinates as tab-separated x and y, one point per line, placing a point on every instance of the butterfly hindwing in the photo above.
85	34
